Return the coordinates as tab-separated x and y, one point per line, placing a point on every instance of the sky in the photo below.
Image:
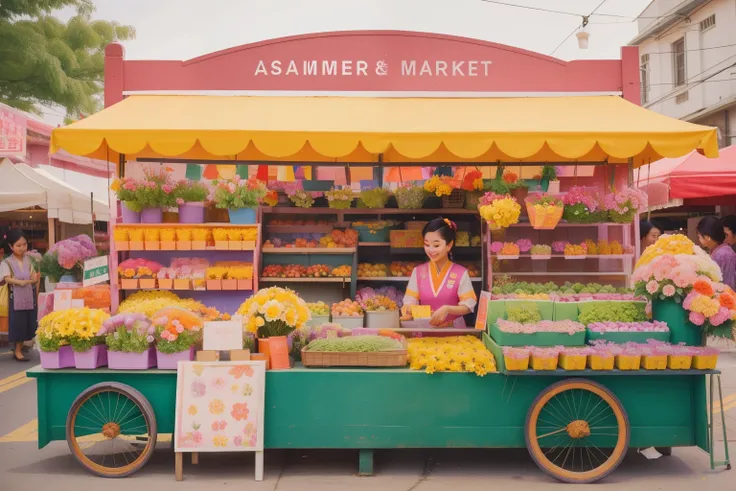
184	29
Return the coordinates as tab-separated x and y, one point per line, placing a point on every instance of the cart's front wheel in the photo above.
111	430
577	431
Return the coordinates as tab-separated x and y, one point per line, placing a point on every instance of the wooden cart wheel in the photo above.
577	431
111	429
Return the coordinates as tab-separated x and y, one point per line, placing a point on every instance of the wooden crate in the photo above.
396	358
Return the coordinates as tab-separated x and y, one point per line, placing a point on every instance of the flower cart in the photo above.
472	393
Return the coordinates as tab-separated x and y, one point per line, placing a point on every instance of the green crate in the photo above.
496	310
368	234
537	339
626	337
496	351
566	311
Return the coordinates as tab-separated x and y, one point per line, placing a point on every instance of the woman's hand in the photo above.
35	277
439	316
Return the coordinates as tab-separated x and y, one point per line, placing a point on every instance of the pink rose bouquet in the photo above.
582	205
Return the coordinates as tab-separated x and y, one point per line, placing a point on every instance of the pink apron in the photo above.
441	291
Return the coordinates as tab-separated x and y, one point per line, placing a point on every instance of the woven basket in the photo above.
472	199
456	199
397	358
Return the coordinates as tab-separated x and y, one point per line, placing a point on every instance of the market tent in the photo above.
359	129
23	187
17	191
669	182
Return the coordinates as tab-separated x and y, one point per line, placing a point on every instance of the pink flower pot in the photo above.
53	360
191	212
170	361
119	360
130	216
91	359
152	215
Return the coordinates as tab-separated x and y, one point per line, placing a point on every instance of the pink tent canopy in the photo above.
670	181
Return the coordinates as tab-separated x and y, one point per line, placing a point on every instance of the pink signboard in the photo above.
12	133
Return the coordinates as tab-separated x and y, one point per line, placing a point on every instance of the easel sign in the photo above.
219	408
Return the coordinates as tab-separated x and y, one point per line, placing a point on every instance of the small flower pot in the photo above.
170	361
122	245
679	362
245	284
93	358
119	360
278	353
129	216
54	360
242	216
260	357
214	284
628	362
153	245
183	245
165	284
598	362
147	283
199	245
182	284
191	212
152	215
654	362
129	284
168	245
705	362
136	245
229	285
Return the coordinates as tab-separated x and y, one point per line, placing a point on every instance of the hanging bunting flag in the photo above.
210	172
262	174
242	171
226	171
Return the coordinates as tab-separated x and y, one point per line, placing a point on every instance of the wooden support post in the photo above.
259	466
195	458
365	463
179	466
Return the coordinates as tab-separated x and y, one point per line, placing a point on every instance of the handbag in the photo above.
5	296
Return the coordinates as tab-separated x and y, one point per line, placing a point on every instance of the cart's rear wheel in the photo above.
577	431
111	430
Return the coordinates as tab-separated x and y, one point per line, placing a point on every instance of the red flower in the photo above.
240	411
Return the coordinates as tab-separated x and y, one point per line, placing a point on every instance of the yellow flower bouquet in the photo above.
76	327
451	354
439	186
499	211
274	312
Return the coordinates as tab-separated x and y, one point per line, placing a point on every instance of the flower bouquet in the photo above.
506	250
450	354
544	211
64	334
153	193
125	188
274	312
381	312
302	198
374	198
190	197
473	186
409	196
623	206
705	358
129	339
582	205
575	251
177	333
499	211
64	261
138	273
339	198
541	252
240	197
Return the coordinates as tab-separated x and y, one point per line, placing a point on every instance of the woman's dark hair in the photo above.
713	228
645	227
14	235
729	222
439	225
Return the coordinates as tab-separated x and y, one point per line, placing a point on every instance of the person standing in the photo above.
712	236
729	228
18	272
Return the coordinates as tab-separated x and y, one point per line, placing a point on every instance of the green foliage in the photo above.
183	342
127	341
241	197
496	186
191	191
363	344
410	197
523	312
50	345
44	61
611	311
81	345
549	172
551	287
579	213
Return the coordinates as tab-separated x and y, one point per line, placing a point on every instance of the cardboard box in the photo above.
208	355
249	245
222	245
245	284
240	355
165	284
229	285
182	284
147	283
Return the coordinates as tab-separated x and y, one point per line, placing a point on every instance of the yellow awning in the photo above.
358	129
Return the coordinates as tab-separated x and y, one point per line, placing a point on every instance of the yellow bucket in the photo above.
544	363
573	362
654	362
598	362
679	362
516	364
628	362
705	362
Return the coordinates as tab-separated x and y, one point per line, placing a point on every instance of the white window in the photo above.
708	22
678	62
644	67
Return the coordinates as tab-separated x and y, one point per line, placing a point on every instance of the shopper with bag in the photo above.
19	293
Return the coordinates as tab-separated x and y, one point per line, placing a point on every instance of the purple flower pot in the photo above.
170	361
152	215
119	360
92	358
130	216
53	360
242	216
191	212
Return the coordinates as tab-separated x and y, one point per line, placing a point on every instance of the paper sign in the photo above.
368	184
62	300
223	335
481	319
95	271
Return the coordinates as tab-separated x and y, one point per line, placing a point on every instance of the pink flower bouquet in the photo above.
612	326
67	257
563	326
624	205
582	205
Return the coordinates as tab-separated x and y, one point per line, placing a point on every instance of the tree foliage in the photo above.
44	61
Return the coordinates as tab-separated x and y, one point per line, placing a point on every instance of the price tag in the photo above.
223	335
482	318
96	271
62	300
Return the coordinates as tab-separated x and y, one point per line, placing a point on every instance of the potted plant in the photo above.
381	312
178	331
339	198
582	205
154	193
518	188
89	347
302	198
548	181
125	188
240	197
53	341
409	196
446	188
499	211
129	339
623	206
473	186
190	197
544	211
374	198
64	261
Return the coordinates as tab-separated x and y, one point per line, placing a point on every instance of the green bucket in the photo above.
676	317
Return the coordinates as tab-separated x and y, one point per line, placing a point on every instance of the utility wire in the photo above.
692	85
585	22
575	14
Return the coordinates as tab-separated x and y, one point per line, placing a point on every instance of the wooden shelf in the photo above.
560	273
182	290
400	279
185	225
305	280
574	225
374	244
562	256
300	229
306	250
285	210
